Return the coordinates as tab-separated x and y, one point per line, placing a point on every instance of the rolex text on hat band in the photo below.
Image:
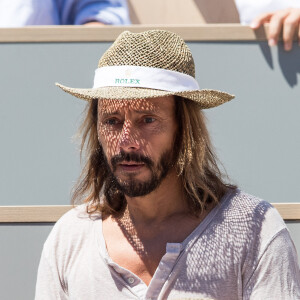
144	77
150	64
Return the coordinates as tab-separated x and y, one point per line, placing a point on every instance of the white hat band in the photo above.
144	77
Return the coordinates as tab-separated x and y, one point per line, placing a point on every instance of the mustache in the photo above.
132	157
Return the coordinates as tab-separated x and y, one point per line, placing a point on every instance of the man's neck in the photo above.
137	238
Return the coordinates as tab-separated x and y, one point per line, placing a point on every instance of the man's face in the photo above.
137	137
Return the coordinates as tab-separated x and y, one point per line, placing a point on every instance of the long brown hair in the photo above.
196	163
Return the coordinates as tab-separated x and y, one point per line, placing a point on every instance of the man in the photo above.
158	221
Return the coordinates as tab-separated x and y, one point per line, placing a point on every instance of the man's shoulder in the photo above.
242	208
239	199
72	227
246	222
77	214
245	203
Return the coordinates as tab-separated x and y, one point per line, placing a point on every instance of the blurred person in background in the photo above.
18	13
282	16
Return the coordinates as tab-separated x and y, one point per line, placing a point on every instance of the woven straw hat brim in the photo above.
205	98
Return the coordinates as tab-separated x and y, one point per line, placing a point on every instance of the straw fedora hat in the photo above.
149	64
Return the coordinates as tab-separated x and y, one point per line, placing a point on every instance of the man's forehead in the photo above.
110	106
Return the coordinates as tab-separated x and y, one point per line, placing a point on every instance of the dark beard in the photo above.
136	188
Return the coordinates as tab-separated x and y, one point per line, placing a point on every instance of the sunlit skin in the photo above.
137	239
144	127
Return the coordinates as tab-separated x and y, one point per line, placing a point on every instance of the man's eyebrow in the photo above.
109	113
145	111
117	112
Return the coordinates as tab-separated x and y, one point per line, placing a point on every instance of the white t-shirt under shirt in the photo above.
241	250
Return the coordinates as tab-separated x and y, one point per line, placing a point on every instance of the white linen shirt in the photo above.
241	250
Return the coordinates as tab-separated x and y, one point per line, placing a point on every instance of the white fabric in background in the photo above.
249	9
18	13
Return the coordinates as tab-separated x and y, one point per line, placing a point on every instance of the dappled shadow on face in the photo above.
137	138
133	187
130	132
115	130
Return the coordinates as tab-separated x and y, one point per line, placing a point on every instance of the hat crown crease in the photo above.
154	48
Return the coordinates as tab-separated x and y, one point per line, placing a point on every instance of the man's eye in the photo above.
111	121
149	120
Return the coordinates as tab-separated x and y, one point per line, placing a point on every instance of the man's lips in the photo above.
131	166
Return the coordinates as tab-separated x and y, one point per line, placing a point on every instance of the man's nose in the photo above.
129	140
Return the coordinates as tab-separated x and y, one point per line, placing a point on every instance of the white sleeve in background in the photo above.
18	13
250	9
110	12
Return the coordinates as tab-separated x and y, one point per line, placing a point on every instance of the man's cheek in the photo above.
110	150
109	144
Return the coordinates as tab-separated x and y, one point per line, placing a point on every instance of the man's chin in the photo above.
144	180
137	188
